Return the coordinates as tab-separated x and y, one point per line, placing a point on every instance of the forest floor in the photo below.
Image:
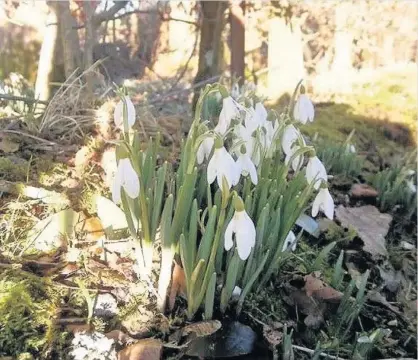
48	293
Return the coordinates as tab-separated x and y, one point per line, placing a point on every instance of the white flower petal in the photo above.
119	110
328	204
304	110
315	171
230	229
316	204
290	135
290	241
130	181
212	168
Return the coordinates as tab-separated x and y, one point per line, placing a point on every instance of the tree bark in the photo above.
210	42
46	57
70	40
237	21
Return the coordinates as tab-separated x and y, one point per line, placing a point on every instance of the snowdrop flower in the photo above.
246	166
222	165
120	110
229	111
290	242
304	110
260	114
315	171
204	149
127	178
297	161
290	135
323	202
250	121
243	227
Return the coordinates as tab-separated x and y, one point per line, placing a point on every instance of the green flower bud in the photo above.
219	143
238	204
223	91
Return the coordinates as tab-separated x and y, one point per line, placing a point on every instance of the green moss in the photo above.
11	171
27	310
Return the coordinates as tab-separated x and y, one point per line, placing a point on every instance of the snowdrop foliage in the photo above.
125	178
263	169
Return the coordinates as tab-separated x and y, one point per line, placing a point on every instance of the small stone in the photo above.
363	191
106	306
70	183
407	246
393	323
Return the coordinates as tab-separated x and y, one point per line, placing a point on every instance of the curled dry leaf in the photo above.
145	349
317	288
178	285
196	330
120	337
273	336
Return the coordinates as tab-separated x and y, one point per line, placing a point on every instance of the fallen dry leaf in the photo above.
306	305
272	335
363	191
178	285
120	337
7	145
370	225
317	288
145	349
75	328
92	227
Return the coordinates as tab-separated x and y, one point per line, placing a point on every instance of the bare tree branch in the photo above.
109	14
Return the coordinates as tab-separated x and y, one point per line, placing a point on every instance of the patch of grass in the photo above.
339	159
11	171
395	186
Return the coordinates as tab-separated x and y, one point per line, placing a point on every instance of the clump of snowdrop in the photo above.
226	231
92	346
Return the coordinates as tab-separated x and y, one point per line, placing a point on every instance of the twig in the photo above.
22	98
309	351
28	135
46	196
191	88
187	62
109	14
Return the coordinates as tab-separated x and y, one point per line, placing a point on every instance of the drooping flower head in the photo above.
246	166
243	227
323	202
290	242
125	178
315	171
124	110
230	110
222	165
304	110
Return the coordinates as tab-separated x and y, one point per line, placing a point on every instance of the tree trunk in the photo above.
285	58
342	64
237	21
70	40
210	42
46	57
